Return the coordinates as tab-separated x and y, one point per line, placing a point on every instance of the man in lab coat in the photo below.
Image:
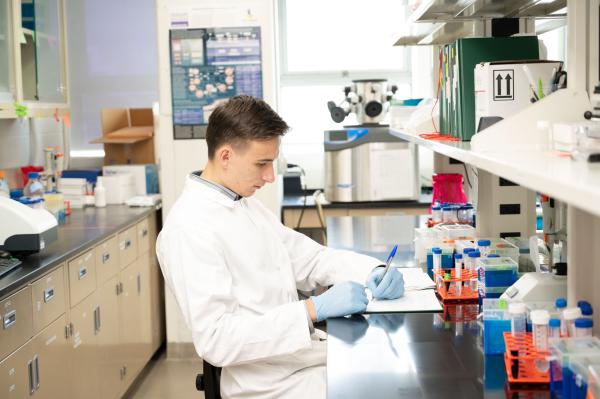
235	269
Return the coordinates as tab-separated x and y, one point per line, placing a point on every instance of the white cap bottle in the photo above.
99	195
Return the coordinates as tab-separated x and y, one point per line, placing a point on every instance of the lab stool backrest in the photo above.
209	381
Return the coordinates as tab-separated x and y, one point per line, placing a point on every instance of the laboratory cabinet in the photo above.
87	327
34	74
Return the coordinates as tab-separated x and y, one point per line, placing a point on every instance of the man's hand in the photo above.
391	287
340	300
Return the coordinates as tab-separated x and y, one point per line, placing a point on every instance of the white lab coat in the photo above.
234	270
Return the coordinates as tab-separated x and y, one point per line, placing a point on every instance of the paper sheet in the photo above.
419	295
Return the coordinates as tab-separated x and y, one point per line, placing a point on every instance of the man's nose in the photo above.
269	175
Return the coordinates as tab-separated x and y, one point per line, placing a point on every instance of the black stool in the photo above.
209	381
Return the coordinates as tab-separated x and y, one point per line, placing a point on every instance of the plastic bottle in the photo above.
518	318
436	214
561	304
540	319
99	195
553	331
473	257
583	327
484	247
4	189
34	187
569	316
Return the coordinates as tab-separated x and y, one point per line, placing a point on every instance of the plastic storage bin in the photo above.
496	322
497	272
565	353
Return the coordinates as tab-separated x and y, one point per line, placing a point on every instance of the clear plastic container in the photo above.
458	264
583	327
553	331
437	258
436	214
540	320
570	353
518	318
569	317
34	186
484	247
448	214
561	304
4	189
473	258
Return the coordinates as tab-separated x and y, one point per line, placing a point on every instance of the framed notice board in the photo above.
209	66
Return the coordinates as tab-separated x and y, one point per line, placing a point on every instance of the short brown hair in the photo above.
241	119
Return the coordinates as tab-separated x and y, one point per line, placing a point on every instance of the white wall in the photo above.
112	61
177	158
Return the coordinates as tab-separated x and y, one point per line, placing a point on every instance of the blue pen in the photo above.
388	263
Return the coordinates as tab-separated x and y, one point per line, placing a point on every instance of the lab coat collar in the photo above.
211	192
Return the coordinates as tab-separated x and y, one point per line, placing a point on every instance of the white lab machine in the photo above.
25	230
537	286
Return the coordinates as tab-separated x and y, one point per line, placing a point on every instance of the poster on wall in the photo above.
209	66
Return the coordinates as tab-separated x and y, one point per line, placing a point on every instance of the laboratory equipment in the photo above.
583	327
553	331
484	247
473	258
561	304
99	195
540	319
465	214
4	189
34	186
458	258
369	99
580	140
495	275
24	230
437	258
518	318
368	163
496	321
554	215
448	214
569	317
563	371
436	214
586	308
536	286
594	381
456	231
8	263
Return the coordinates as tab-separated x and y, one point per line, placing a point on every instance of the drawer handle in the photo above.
105	257
31	381
144	232
82	272
10	319
125	244
48	294
36	364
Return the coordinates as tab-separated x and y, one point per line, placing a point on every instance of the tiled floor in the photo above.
168	379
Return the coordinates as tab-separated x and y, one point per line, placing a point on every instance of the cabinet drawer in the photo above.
48	297
107	260
143	236
82	277
127	247
14	375
17	323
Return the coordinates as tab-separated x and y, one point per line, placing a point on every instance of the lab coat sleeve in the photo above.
222	334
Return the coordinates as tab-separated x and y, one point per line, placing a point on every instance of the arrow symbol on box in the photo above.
499	79
508	79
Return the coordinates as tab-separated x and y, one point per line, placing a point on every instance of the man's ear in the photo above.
223	155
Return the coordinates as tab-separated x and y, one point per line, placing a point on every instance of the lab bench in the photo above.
412	355
83	317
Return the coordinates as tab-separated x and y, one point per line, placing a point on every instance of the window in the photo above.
324	45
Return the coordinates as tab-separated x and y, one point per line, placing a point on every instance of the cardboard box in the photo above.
127	135
145	177
502	88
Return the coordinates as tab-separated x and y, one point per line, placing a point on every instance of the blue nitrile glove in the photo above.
391	287
340	300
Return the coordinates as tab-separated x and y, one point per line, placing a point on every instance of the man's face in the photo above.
250	166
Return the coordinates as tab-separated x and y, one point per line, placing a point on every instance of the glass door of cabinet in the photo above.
42	52
7	83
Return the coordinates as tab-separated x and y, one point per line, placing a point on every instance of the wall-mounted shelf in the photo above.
437	22
577	183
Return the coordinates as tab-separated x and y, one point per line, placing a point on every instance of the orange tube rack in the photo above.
449	294
524	363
